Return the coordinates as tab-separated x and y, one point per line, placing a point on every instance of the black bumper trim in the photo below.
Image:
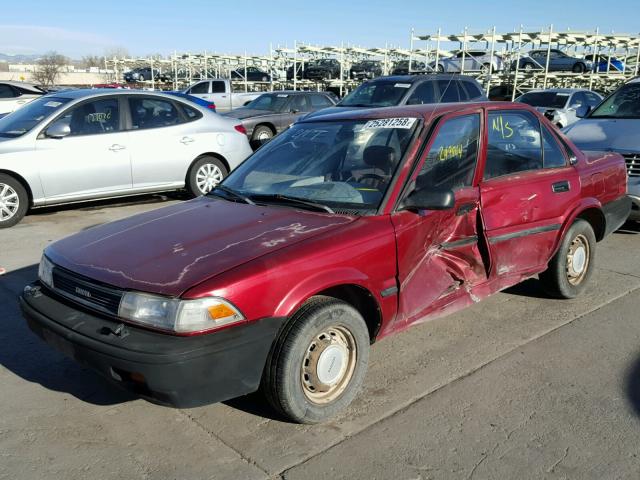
524	233
616	213
178	371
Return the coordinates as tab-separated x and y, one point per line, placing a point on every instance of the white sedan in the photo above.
14	95
92	144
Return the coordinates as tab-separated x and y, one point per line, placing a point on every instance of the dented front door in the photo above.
439	253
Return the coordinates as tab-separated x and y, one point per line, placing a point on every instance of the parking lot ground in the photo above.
518	386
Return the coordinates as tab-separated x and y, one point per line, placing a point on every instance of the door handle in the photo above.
560	187
116	148
186	140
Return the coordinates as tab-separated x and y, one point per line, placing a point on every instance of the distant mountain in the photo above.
19	58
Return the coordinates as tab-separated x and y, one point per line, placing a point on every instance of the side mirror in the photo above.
429	199
294	110
58	129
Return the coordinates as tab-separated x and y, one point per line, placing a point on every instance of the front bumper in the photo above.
633	190
171	370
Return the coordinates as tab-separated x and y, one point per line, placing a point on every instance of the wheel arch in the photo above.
22	181
269	125
203	155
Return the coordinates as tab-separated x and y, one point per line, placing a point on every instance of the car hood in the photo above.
620	135
330	110
242	113
169	250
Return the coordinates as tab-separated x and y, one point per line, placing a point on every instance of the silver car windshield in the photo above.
625	103
25	119
342	165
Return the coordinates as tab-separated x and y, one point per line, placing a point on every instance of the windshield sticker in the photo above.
406	123
402	85
502	127
53	104
282	95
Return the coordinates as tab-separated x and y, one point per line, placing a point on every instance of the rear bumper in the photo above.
616	213
178	371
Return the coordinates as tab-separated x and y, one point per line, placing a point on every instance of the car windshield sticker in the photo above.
402	85
499	125
281	95
406	122
53	104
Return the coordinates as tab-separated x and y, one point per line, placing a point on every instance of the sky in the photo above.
79	27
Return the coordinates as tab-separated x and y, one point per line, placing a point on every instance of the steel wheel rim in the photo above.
9	202
578	260
328	365
208	176
264	136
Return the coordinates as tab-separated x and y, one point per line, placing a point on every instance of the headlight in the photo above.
45	271
180	316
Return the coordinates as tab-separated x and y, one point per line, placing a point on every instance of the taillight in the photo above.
212	106
240	128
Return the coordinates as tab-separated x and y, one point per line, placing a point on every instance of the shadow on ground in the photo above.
633	386
28	357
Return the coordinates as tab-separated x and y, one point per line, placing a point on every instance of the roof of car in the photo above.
96	92
558	90
293	92
426	111
25	85
419	77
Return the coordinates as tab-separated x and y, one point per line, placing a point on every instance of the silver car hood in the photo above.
620	135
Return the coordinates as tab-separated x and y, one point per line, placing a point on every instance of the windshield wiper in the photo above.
233	193
279	198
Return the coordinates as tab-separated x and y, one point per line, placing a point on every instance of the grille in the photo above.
86	292
633	164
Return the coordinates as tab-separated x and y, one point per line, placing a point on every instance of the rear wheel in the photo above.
570	269
319	361
14	201
528	66
440	68
485	68
205	174
260	135
579	68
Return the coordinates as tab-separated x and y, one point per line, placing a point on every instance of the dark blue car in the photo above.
191	98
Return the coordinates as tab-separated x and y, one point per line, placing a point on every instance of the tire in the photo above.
561	279
261	134
528	66
14	201
265	79
299	379
141	78
440	68
205	174
578	68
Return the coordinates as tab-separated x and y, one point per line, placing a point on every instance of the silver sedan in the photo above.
93	144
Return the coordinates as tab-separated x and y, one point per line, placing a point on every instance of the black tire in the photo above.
560	280
14	201
440	68
141	77
192	175
285	381
260	135
485	68
578	68
528	66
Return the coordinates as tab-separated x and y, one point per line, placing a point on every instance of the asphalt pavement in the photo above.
518	386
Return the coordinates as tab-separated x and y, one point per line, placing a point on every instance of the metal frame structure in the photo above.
186	68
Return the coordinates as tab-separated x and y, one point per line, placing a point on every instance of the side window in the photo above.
422	94
190	112
473	90
552	153
300	104
320	101
577	100
514	143
448	91
200	88
592	99
6	91
217	87
147	112
92	118
451	161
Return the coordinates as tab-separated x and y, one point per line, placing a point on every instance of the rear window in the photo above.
377	94
544	99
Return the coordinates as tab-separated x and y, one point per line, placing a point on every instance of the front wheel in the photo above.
440	69
14	201
485	68
205	174
318	363
579	68
571	267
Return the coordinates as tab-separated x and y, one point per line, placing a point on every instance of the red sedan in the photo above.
342	230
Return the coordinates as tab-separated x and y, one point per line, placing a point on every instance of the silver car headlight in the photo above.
179	316
45	271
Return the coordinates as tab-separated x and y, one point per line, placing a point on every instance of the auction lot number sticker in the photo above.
405	122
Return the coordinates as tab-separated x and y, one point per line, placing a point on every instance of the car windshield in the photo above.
625	103
376	94
273	102
25	119
544	99
343	165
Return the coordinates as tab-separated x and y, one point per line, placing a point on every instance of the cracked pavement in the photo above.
517	386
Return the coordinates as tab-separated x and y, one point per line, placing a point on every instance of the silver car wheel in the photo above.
207	177
9	202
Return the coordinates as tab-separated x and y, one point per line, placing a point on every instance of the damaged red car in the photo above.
344	229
